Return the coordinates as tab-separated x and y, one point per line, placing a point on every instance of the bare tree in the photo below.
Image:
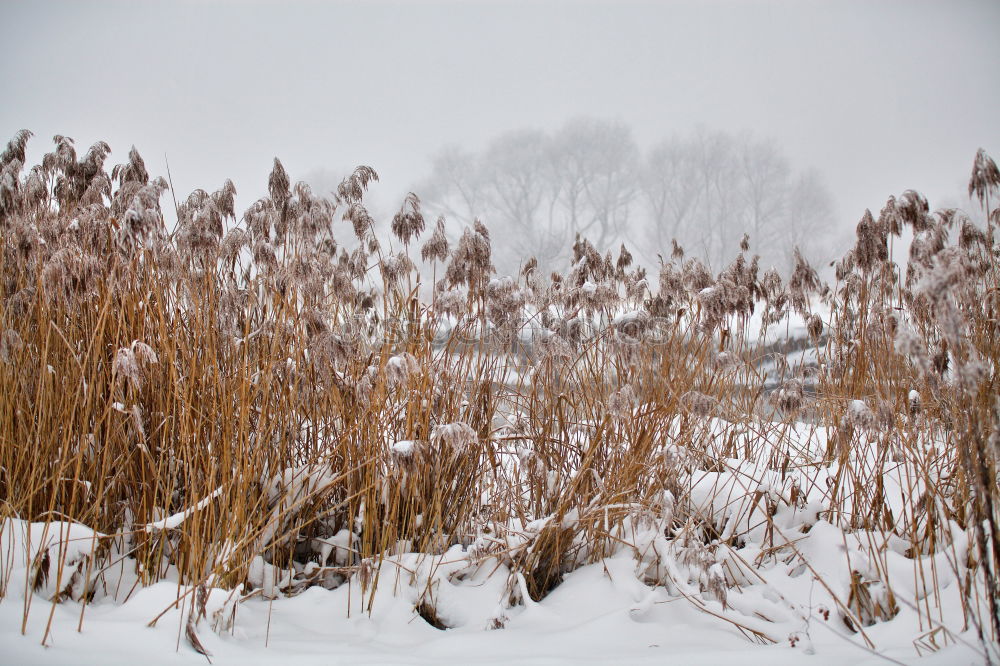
807	222
716	166
765	189
709	189
670	189
706	190
595	170
543	190
457	188
518	190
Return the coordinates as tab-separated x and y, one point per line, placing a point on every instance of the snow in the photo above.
780	571
176	519
404	448
629	317
600	614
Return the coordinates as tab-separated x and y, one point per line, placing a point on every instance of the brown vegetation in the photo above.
229	392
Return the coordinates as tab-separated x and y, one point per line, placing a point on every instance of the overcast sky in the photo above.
879	96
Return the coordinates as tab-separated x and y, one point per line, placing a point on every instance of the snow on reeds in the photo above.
249	407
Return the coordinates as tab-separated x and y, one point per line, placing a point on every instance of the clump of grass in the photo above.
253	405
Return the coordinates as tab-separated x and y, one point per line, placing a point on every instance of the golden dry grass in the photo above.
275	389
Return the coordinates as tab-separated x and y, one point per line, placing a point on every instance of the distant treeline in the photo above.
590	177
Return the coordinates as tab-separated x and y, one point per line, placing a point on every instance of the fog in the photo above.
873	98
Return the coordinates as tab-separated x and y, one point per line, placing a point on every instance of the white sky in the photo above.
879	97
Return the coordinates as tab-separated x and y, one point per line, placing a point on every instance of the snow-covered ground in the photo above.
774	586
601	614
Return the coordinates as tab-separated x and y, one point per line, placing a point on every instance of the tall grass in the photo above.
247	404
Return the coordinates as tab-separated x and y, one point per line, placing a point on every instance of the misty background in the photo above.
626	122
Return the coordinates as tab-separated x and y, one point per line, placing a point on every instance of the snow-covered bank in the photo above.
748	568
600	614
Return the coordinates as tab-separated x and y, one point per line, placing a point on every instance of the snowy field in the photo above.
256	445
768	591
601	614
